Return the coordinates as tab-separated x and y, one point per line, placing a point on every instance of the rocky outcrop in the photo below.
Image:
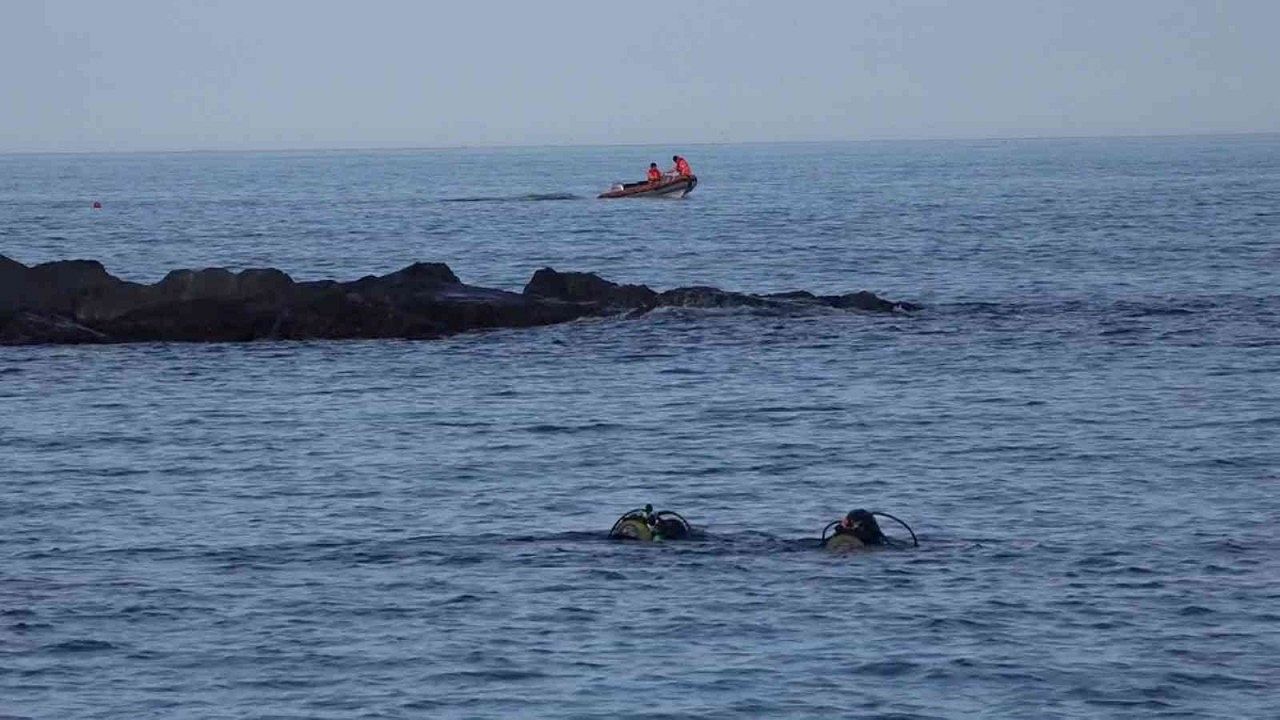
78	301
591	288
588	288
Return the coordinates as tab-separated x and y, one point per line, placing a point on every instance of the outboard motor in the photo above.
645	524
860	529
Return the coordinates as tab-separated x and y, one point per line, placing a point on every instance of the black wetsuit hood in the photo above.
863	525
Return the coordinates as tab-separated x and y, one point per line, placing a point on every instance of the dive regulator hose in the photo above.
672	513
914	541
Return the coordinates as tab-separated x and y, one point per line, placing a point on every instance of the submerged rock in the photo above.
78	301
709	297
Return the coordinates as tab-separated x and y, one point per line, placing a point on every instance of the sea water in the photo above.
1082	425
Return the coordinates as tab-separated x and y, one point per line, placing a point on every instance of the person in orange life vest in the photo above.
655	175
682	167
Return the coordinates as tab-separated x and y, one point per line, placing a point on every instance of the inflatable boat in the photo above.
668	187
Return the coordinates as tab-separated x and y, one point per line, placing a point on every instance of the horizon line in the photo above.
704	143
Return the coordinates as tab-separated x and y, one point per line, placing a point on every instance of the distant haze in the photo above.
93	75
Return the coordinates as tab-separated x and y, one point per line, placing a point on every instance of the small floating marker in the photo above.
97	205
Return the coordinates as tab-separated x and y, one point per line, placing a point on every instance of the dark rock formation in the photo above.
588	288
77	301
591	288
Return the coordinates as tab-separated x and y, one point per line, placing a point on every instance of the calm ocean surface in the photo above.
1083	426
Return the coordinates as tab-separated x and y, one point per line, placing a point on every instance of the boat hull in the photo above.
676	187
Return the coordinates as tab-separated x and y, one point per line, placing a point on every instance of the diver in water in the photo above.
859	529
862	525
645	524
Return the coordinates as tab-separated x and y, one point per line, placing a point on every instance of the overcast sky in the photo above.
87	75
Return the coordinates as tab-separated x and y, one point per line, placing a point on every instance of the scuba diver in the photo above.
645	524
859	529
862	525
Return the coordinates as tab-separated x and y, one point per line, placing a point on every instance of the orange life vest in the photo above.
682	167
655	174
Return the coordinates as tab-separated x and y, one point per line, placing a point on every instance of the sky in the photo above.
88	75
